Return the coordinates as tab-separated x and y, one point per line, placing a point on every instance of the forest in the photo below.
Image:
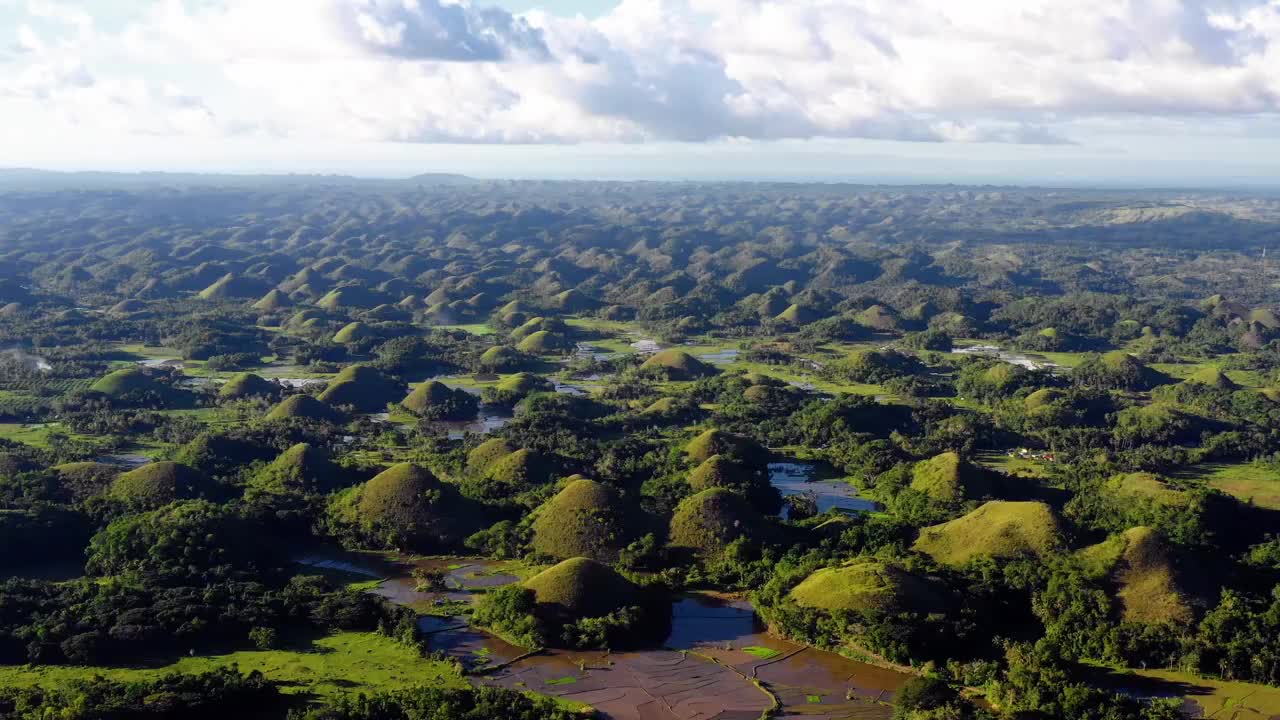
321	448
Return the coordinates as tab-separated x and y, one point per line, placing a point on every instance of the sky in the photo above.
1072	92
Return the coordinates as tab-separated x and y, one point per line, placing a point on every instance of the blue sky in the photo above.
1147	92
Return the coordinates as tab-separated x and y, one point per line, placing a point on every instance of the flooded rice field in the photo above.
717	663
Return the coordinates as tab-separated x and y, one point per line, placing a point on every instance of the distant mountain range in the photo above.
26	178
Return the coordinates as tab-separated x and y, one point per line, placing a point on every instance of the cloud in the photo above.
659	70
434	30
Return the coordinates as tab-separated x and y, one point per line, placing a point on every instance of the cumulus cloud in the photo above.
688	70
434	30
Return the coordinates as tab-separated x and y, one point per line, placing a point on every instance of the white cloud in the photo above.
650	70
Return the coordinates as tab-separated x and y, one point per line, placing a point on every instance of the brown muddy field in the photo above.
717	664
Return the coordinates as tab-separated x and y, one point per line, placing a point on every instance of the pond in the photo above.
831	493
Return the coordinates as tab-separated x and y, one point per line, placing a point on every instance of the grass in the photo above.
710	346
1011	465
1141	566
582	588
1182	371
760	652
473	328
292	371
1248	482
36	435
364	585
334	665
864	587
211	416
149	352
614	345
343	578
996	529
1145	486
791	374
1065	359
1221	698
566	680
813	699
600	325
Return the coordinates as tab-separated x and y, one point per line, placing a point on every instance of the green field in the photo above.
1011	465
341	663
37	434
149	352
1249	482
211	416
1221	698
473	328
600	325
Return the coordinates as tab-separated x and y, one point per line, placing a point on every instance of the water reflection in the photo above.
707	620
799	478
490	419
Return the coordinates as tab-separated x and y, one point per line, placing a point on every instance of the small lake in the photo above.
1030	361
799	478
